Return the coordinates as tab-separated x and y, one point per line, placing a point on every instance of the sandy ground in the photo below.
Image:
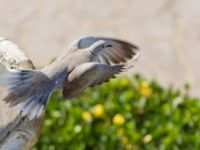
167	31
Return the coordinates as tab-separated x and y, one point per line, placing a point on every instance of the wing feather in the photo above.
118	51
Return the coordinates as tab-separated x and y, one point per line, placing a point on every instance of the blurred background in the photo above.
167	32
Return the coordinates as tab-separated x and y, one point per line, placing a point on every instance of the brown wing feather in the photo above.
120	52
105	73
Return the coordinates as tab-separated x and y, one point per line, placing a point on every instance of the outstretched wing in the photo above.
116	52
109	57
90	74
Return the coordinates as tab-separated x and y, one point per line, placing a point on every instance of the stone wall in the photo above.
167	31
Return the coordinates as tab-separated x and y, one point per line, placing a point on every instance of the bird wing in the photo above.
111	57
115	51
92	73
118	52
106	72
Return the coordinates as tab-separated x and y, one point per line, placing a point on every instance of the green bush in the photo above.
123	114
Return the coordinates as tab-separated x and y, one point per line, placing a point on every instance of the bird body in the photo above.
88	61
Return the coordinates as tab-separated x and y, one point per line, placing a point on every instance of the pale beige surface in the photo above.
16	133
167	31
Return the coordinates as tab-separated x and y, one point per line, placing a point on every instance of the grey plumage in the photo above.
87	62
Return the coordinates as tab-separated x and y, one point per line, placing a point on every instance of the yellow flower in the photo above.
86	116
145	89
124	140
129	147
98	111
147	138
118	119
120	131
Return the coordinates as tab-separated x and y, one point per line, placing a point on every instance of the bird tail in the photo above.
29	88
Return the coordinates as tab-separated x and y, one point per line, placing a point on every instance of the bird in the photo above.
88	61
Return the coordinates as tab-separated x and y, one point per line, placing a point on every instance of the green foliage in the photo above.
123	114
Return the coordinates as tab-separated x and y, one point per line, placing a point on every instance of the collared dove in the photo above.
87	62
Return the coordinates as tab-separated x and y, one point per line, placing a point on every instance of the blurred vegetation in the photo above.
123	115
